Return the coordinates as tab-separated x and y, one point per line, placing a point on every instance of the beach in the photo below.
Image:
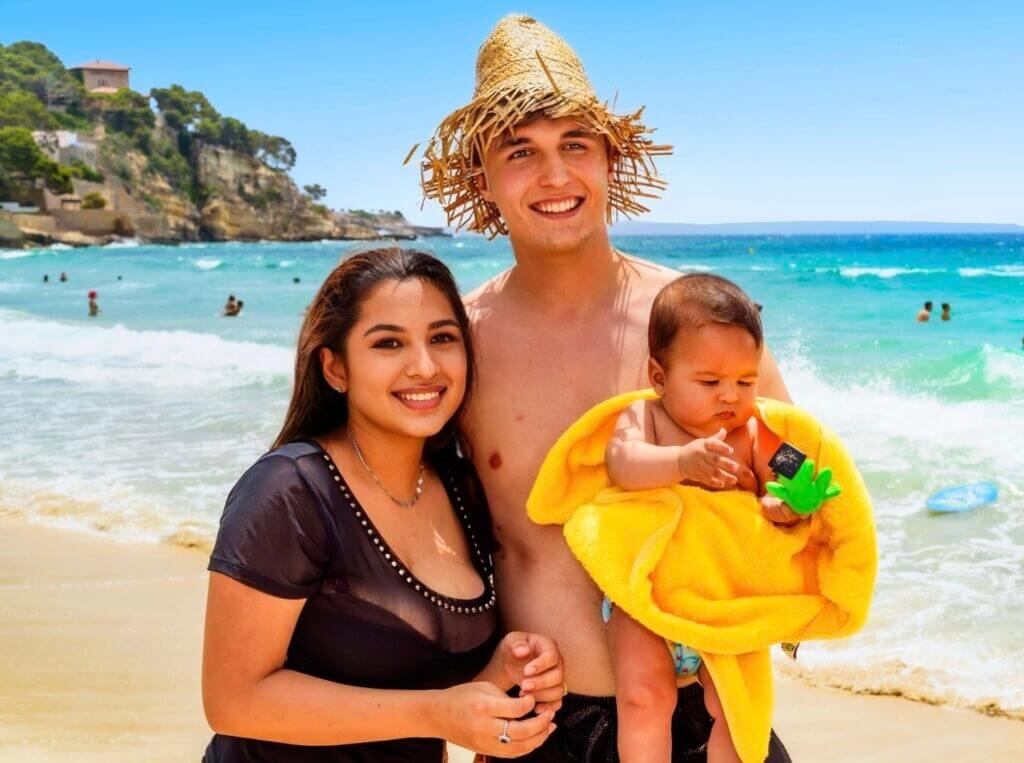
103	644
123	434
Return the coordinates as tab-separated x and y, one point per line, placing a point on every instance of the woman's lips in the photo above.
420	399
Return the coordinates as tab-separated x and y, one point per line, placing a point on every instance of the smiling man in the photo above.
536	156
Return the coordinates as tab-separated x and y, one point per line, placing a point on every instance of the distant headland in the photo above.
810	228
85	160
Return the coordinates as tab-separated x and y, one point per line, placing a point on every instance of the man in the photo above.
925	313
536	156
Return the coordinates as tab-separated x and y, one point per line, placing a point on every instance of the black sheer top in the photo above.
292	528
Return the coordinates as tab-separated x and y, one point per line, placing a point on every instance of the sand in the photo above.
101	646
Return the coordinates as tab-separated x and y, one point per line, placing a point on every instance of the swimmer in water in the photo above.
945	311
925	313
94	308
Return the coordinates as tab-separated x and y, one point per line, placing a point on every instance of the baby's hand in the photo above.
777	512
706	461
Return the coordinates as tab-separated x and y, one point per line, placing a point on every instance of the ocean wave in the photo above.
207	263
693	267
17	254
124	243
33	348
886	273
945	621
114	512
999	271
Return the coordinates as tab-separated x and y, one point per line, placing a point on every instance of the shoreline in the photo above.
106	643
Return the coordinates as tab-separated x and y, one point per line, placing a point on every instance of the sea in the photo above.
135	424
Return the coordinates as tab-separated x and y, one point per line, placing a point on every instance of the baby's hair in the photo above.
695	300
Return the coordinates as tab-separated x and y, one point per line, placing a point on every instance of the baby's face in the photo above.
710	381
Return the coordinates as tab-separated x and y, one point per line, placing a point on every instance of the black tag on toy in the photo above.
787	461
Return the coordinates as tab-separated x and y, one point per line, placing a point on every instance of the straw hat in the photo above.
523	70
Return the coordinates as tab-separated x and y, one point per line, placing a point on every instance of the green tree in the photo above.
126	111
32	67
183	109
22	109
236	136
21	160
94	200
274	151
315	191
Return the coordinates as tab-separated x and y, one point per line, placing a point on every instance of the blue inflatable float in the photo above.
960	498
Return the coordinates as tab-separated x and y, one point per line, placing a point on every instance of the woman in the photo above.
351	611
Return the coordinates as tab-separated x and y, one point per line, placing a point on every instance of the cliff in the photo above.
84	166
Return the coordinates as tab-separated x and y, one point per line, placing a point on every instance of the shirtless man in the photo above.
563	329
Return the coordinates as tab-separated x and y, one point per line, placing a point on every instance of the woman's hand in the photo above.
476	715
533	663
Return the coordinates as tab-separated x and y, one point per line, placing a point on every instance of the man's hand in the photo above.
706	461
533	663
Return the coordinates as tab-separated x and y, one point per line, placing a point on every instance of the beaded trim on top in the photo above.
481	603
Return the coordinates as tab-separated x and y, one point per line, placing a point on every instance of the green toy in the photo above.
803	492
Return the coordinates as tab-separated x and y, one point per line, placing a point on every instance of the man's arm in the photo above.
769	382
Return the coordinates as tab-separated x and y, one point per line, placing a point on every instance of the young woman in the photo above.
351	612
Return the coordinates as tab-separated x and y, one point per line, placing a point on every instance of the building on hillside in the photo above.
64	146
102	76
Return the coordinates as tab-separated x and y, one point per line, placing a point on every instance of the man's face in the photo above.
549	178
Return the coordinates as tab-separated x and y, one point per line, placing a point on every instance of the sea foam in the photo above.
34	348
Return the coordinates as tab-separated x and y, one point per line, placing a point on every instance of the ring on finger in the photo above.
503	737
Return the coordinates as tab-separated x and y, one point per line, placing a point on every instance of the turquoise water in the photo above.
136	423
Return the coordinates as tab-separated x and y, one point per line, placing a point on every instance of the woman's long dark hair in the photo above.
315	408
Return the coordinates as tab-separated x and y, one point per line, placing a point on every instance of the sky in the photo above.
898	110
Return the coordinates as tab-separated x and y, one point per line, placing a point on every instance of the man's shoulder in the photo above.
487	295
646	278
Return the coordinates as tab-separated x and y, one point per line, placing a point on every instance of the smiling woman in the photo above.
351	611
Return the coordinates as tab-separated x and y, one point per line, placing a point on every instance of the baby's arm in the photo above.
635	462
773	509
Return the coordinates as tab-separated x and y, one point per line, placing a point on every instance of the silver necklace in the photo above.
404	504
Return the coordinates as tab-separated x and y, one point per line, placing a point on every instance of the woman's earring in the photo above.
339	390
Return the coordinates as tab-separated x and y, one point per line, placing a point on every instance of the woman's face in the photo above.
405	360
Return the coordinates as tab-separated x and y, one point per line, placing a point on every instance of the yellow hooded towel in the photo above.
705	569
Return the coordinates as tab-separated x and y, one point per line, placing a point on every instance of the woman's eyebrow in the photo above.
400	329
384	327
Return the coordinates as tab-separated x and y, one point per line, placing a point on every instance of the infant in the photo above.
705	343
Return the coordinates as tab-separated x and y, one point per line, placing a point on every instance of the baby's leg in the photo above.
645	690
720	746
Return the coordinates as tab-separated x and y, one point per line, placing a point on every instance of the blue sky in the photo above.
778	110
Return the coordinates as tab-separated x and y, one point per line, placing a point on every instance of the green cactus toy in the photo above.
804	492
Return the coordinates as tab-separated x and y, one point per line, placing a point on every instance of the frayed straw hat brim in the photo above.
525	71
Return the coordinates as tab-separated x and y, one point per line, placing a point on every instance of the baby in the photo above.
705	344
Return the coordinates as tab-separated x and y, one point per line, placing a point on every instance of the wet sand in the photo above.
102	642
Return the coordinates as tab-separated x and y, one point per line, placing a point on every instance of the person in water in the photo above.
537	156
94	308
63	277
925	313
945	311
352	613
231	306
705	343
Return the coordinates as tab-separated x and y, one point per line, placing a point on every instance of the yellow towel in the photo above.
705	569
